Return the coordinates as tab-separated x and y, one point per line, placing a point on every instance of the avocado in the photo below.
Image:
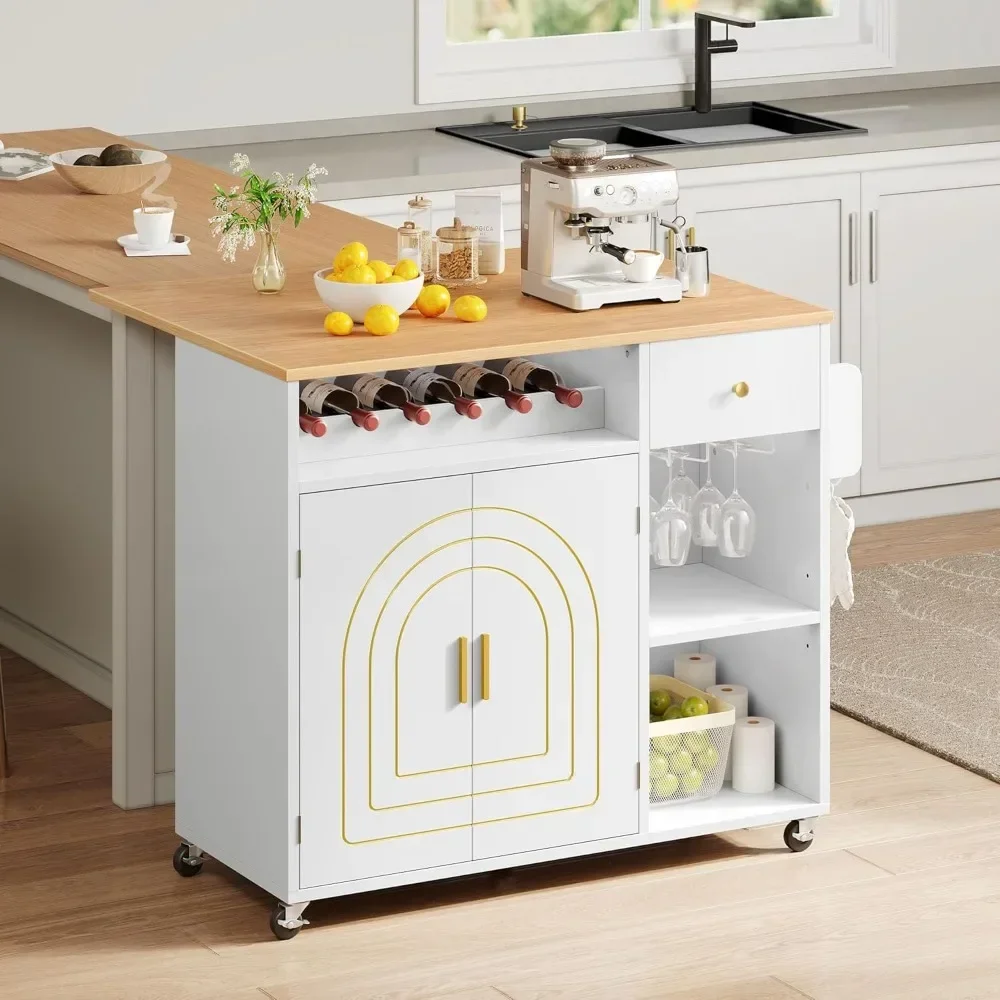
87	160
117	155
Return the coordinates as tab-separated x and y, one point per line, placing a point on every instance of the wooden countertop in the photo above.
283	334
50	226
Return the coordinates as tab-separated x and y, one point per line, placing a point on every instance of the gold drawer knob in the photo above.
741	389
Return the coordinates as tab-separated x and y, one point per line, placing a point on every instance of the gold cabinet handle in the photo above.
484	666
741	389
463	669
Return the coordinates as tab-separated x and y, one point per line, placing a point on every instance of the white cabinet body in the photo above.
468	668
930	345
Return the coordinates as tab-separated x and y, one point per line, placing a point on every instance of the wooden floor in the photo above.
898	898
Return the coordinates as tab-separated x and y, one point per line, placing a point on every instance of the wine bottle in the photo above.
529	376
322	396
380	394
428	386
309	423
474	380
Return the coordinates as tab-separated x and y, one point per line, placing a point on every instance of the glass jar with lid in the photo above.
457	256
419	212
408	244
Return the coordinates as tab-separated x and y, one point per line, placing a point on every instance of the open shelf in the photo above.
730	810
700	602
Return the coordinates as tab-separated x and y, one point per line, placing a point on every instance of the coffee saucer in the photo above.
177	247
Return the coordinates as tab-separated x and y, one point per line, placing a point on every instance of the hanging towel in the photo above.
841	533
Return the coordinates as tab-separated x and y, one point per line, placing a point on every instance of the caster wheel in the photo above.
185	865
280	932
792	842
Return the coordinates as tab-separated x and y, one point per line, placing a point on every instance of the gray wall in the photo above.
139	67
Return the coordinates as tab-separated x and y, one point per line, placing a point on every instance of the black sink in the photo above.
725	125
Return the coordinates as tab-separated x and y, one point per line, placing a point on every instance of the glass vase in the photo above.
268	272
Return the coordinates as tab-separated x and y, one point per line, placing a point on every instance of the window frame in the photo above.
860	36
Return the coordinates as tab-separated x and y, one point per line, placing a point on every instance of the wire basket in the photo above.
687	757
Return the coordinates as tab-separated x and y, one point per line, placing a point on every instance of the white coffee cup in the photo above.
153	226
644	267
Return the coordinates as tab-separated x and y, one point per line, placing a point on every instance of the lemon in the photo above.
381	268
381	320
433	300
358	274
407	269
393	277
338	324
470	308
333	276
350	253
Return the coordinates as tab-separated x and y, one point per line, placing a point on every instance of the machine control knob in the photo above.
628	195
598	190
610	189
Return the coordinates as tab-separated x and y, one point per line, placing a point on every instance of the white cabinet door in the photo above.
930	344
798	237
555	590
386	737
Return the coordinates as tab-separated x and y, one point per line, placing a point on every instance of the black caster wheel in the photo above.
792	842
280	932
185	865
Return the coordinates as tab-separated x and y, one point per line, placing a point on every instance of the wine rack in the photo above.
448	427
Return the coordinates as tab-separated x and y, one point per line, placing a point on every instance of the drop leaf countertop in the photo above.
46	224
282	335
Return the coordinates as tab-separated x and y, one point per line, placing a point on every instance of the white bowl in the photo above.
645	266
356	300
108	180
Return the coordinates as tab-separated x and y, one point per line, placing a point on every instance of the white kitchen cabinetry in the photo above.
457	707
931	309
799	237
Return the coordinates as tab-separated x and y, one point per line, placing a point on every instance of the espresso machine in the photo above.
585	218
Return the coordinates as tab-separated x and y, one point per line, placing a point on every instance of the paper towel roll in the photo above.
737	696
753	755
696	669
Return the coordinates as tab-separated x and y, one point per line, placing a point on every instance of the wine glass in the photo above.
682	490
706	509
739	523
670	531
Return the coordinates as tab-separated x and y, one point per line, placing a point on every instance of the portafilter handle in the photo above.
624	254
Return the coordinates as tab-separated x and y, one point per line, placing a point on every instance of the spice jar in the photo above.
419	212
408	244
458	256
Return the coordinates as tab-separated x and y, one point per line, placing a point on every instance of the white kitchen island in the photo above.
424	652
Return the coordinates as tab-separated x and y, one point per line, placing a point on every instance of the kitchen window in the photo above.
512	49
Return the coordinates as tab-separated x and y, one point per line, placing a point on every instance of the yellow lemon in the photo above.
393	277
333	276
358	274
381	320
350	253
338	324
381	268
470	308
433	300
407	269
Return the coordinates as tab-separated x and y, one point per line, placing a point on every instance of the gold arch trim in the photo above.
343	688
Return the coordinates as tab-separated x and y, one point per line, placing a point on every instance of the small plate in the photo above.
131	242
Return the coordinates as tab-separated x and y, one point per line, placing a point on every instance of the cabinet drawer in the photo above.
691	383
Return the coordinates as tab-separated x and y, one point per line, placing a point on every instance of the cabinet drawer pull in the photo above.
463	669
741	389
484	662
854	247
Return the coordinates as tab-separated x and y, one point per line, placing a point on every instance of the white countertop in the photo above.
425	160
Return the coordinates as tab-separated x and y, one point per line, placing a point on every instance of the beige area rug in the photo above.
918	656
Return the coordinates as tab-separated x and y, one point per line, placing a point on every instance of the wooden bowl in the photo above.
108	180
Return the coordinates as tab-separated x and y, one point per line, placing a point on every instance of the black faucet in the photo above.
705	48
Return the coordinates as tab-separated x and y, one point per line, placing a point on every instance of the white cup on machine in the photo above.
153	226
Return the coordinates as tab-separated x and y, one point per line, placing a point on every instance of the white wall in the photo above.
247	62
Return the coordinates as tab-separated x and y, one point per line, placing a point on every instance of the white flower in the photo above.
239	163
